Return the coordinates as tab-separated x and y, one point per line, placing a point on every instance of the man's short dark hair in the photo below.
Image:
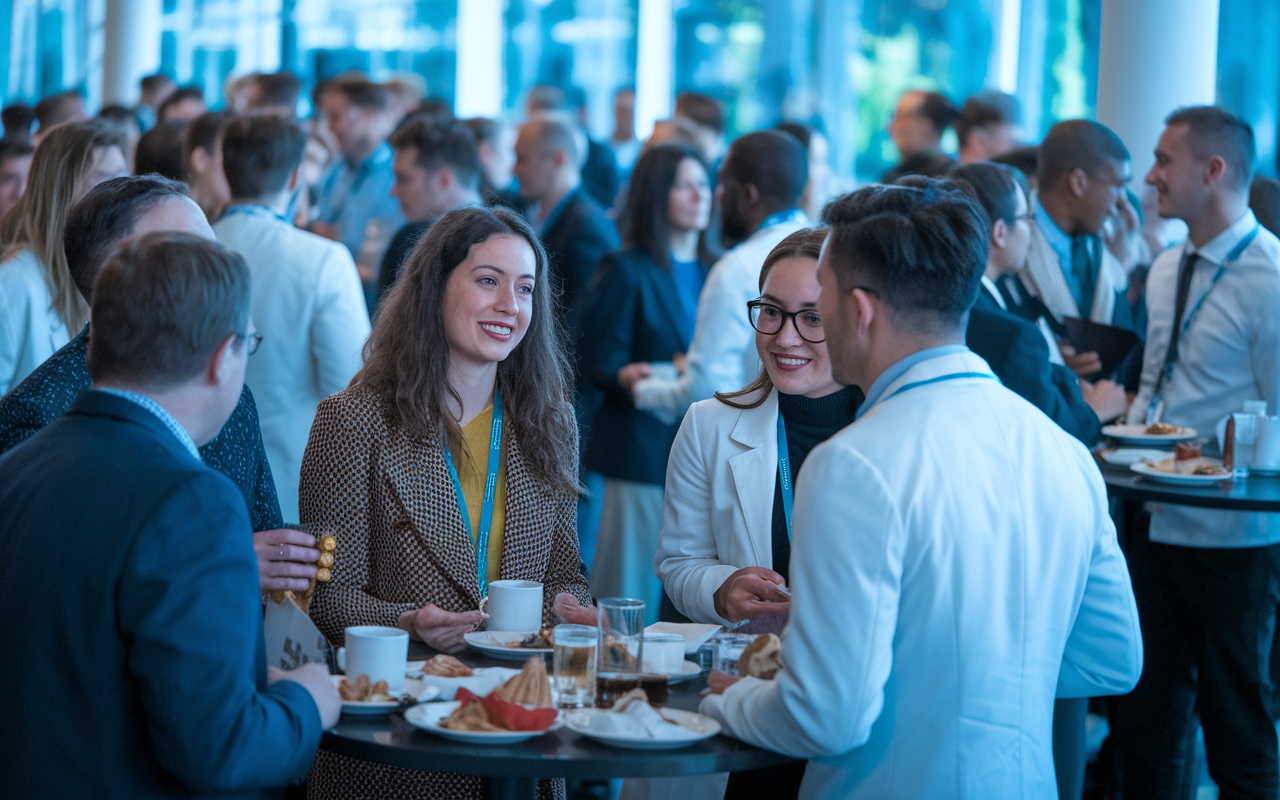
359	91
772	161
17	120
437	145
259	153
937	108
160	151
53	110
162	306
191	92
105	217
1215	131
15	148
153	83
996	186
983	110
1078	144
1024	159
203	133
701	109
545	97
120	116
485	129
921	249
278	89
1264	202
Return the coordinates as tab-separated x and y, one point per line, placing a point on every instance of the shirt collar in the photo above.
555	213
898	369
1217	248
994	291
1055	236
165	417
382	153
779	217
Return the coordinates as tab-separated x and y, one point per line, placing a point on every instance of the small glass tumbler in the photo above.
729	647
620	648
1244	437
574	666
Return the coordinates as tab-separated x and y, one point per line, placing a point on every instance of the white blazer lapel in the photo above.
754	474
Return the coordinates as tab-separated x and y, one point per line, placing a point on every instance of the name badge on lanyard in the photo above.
490	488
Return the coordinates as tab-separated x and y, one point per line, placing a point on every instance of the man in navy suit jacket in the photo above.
134	645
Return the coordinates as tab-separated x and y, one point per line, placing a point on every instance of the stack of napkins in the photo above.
695	634
639	721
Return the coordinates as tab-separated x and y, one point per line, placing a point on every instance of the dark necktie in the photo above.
1185	271
1082	270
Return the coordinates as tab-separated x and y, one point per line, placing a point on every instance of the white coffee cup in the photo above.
378	652
1266	448
514	606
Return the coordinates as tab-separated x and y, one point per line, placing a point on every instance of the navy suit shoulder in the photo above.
237	451
113	537
1017	353
576	241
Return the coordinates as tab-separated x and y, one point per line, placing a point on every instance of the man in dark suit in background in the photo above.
134	637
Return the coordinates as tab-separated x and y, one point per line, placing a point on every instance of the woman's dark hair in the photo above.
995	186
804	243
407	365
647	221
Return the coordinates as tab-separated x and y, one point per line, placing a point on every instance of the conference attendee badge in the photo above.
291	637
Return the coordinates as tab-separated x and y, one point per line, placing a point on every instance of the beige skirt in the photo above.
630	523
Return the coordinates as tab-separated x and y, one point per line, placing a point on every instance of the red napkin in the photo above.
512	716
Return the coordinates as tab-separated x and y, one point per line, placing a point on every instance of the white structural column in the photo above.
655	64
480	48
1154	56
131	48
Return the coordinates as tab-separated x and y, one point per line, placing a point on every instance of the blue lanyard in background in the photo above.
490	488
253	211
790	215
784	473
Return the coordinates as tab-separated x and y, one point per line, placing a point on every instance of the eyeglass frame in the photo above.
760	303
252	341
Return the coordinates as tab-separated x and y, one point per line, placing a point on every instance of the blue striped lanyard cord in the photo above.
490	488
253	211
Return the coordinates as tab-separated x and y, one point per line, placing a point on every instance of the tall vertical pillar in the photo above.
1154	56
478	91
655	64
131	48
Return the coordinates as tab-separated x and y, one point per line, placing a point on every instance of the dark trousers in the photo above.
1208	617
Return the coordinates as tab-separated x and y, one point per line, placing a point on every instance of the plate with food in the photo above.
510	645
632	722
1126	456
361	697
517	710
1197	471
448	675
1157	433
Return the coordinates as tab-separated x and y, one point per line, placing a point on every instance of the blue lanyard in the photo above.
790	215
253	211
490	488
784	473
953	376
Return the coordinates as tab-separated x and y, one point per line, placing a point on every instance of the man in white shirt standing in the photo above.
954	564
307	300
761	179
1207	581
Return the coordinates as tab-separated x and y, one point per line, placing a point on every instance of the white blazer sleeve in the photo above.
340	324
846	570
1103	654
687	561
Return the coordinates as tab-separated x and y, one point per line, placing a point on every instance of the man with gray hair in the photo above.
152	556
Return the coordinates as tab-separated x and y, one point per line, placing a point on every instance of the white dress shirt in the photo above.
31	330
722	356
309	307
1230	354
954	569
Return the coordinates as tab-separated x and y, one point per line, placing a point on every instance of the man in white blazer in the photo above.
307	301
954	566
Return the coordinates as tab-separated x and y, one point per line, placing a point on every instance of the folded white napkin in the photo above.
695	634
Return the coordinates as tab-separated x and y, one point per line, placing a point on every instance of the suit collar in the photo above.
757	427
754	471
669	298
94	403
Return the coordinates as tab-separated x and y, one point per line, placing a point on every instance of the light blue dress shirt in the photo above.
898	369
353	194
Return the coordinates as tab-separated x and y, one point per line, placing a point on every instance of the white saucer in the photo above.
1137	436
497	644
701	727
428	716
1177	479
413	687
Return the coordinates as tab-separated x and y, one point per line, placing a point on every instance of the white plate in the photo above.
580	722
1177	479
1136	435
1124	456
413	687
482	680
689	671
495	643
428	715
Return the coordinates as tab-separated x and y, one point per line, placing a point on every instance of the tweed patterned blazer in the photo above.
402	542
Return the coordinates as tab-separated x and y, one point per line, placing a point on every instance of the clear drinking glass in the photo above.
574	665
729	647
1246	434
620	652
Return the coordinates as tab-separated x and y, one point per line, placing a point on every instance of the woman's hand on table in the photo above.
718	681
573	612
750	592
286	559
440	629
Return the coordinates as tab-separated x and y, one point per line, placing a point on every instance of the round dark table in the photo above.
1255	493
515	768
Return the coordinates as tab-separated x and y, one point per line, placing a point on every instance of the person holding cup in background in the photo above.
442	469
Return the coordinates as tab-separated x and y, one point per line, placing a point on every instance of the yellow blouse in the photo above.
473	471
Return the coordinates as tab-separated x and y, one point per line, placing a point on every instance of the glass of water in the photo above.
1246	434
620	653
573	659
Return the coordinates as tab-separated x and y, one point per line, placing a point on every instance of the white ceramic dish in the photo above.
1124	456
689	671
498	645
483	681
1178	479
1137	436
428	715
581	722
413	687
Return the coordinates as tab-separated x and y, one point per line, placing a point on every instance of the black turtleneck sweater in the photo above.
809	422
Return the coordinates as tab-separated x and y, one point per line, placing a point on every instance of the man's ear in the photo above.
200	160
294	178
750	194
218	370
999	233
866	309
1077	181
1214	171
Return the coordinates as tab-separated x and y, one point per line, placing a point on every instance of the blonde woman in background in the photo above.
40	308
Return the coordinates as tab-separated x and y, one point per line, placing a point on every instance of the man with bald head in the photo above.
109	216
572	225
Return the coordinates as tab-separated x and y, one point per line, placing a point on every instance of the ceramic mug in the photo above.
378	652
514	606
1266	448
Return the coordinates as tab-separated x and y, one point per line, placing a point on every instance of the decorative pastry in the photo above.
762	658
530	688
443	666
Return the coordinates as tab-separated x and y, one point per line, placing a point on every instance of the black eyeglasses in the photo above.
769	319
252	342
